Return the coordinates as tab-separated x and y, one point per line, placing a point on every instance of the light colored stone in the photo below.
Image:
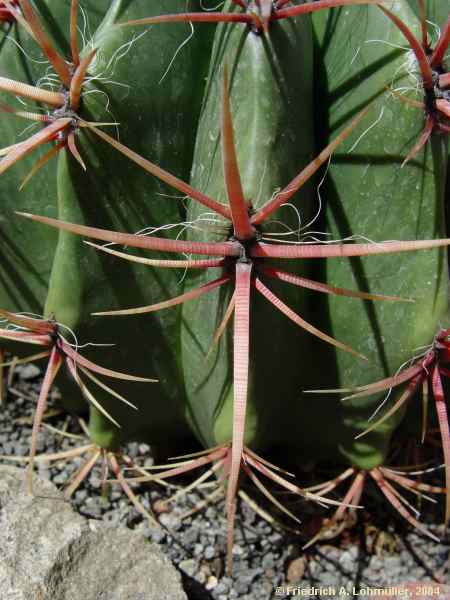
48	552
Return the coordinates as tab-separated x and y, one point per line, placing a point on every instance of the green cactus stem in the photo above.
241	254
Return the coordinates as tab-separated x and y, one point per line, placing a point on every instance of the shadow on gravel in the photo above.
194	590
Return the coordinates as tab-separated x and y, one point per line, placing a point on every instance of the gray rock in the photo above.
241	587
170	521
29	371
209	553
268	560
190	536
221	588
116	564
189	566
49	552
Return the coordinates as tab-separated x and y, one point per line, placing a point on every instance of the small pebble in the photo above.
170	521
296	569
189	566
28	372
211	583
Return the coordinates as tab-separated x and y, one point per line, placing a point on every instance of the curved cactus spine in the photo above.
436	104
67	102
9	11
384	479
258	14
424	373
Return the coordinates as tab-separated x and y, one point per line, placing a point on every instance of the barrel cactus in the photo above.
205	138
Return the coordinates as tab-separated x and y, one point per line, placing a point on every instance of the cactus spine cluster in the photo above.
285	163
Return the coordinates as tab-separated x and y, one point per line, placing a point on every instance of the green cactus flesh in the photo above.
402	205
113	191
130	200
274	141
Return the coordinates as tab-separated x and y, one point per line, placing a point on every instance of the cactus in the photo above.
388	341
261	118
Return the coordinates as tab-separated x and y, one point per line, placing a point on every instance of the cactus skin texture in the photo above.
282	97
400	205
24	273
76	280
133	198
23	280
274	141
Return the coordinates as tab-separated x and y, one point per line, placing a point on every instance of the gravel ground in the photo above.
267	559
